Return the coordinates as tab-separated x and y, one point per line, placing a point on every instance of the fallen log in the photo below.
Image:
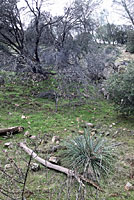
11	130
64	170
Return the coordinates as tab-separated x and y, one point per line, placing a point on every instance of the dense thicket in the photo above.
121	89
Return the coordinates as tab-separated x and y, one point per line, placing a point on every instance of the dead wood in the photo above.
11	130
64	170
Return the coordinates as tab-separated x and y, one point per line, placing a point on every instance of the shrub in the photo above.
89	156
130	42
121	89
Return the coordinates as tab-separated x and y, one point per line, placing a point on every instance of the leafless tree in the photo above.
128	9
11	27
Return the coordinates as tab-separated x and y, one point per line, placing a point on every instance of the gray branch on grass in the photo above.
64	170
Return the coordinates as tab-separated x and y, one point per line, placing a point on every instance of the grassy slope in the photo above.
17	99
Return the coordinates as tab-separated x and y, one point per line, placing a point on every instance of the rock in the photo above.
129	187
81	132
115	134
111	126
55	139
33	137
7	166
107	133
102	133
94	130
57	142
23	117
35	167
89	125
108	70
54	160
105	93
121	69
55	148
48	95
92	133
27	134
8	144
2	81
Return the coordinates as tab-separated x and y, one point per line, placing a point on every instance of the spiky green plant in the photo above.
87	153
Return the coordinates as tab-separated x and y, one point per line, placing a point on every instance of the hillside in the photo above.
19	106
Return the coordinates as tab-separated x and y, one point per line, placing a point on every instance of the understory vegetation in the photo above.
66	101
121	89
20	106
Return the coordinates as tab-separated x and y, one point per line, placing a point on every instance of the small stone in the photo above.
23	117
115	134
33	137
2	81
54	148
90	125
77	119
94	130
111	126
55	139
93	133
57	142
54	159
81	132
8	144
129	187
107	133
7	166
27	134
102	133
35	167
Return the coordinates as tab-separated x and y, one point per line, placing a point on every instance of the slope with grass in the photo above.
19	106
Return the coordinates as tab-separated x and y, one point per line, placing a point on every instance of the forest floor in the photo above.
19	106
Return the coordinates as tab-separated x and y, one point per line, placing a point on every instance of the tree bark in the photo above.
64	170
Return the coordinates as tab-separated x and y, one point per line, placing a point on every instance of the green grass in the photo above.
17	99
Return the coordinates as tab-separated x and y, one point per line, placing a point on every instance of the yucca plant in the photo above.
89	154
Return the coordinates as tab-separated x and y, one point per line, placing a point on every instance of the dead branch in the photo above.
64	170
11	130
